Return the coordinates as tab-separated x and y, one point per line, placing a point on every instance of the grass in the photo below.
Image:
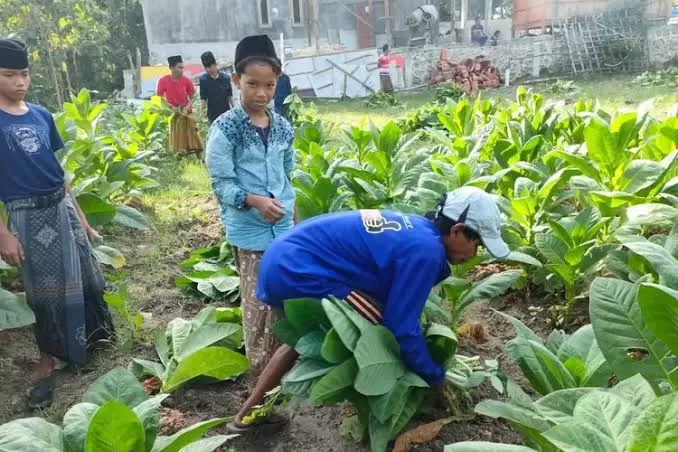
614	93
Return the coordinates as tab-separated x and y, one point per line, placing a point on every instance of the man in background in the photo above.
282	91
478	35
216	93
178	91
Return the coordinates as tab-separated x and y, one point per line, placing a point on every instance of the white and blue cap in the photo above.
478	211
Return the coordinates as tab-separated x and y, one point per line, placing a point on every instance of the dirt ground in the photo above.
152	268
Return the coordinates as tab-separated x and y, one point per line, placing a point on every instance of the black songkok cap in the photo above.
255	46
13	54
208	59
174	60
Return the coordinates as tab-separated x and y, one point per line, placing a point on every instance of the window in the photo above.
264	13
297	13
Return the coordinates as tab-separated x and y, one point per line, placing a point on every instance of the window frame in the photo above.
302	13
260	15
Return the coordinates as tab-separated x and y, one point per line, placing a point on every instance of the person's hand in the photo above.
10	249
269	208
438	394
92	234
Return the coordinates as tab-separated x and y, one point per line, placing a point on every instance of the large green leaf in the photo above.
378	357
621	332
114	427
578	436
541	367
664	264
558	407
650	214
143	368
490	287
216	362
307	369
14	312
659	306
310	344
149	414
76	423
31	434
179	330
207	444
441	341
601	147
551	247
602	422
285	332
333	349
118	384
185	436
130	217
206	335
635	390
380	434
305	314
342	324
333	387
513	412
97	211
484	446
404	414
657	427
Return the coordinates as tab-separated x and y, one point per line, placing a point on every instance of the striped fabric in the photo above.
366	306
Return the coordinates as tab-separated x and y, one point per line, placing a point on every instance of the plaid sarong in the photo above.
184	138
64	285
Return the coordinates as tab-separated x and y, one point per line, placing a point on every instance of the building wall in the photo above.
190	27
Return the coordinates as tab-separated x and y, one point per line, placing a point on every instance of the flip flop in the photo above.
42	393
273	419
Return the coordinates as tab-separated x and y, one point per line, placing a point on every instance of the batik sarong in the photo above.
258	318
63	282
184	137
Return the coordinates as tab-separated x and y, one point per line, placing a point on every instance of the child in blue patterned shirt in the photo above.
250	159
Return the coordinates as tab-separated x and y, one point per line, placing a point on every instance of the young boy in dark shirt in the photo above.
216	93
47	235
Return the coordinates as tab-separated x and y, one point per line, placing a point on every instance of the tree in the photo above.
74	43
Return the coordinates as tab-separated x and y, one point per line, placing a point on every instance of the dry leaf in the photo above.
420	435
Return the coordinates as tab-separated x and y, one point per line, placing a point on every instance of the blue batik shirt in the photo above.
241	163
27	146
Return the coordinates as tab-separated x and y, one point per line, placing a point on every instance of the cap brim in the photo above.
497	248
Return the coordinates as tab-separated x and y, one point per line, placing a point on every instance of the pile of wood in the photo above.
471	74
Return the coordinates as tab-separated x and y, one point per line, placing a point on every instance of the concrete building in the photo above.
189	27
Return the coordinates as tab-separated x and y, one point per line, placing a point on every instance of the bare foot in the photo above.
45	367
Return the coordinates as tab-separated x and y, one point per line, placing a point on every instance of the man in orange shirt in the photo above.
178	91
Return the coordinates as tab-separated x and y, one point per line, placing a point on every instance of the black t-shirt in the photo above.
216	91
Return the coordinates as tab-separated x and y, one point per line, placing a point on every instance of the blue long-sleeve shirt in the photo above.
397	259
241	163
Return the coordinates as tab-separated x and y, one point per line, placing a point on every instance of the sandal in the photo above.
42	393
274	419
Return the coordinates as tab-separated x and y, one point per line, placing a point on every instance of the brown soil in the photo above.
152	270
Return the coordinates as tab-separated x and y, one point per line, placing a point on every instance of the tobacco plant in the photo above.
204	347
345	357
115	414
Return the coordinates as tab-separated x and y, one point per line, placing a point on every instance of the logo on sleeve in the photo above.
375	223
